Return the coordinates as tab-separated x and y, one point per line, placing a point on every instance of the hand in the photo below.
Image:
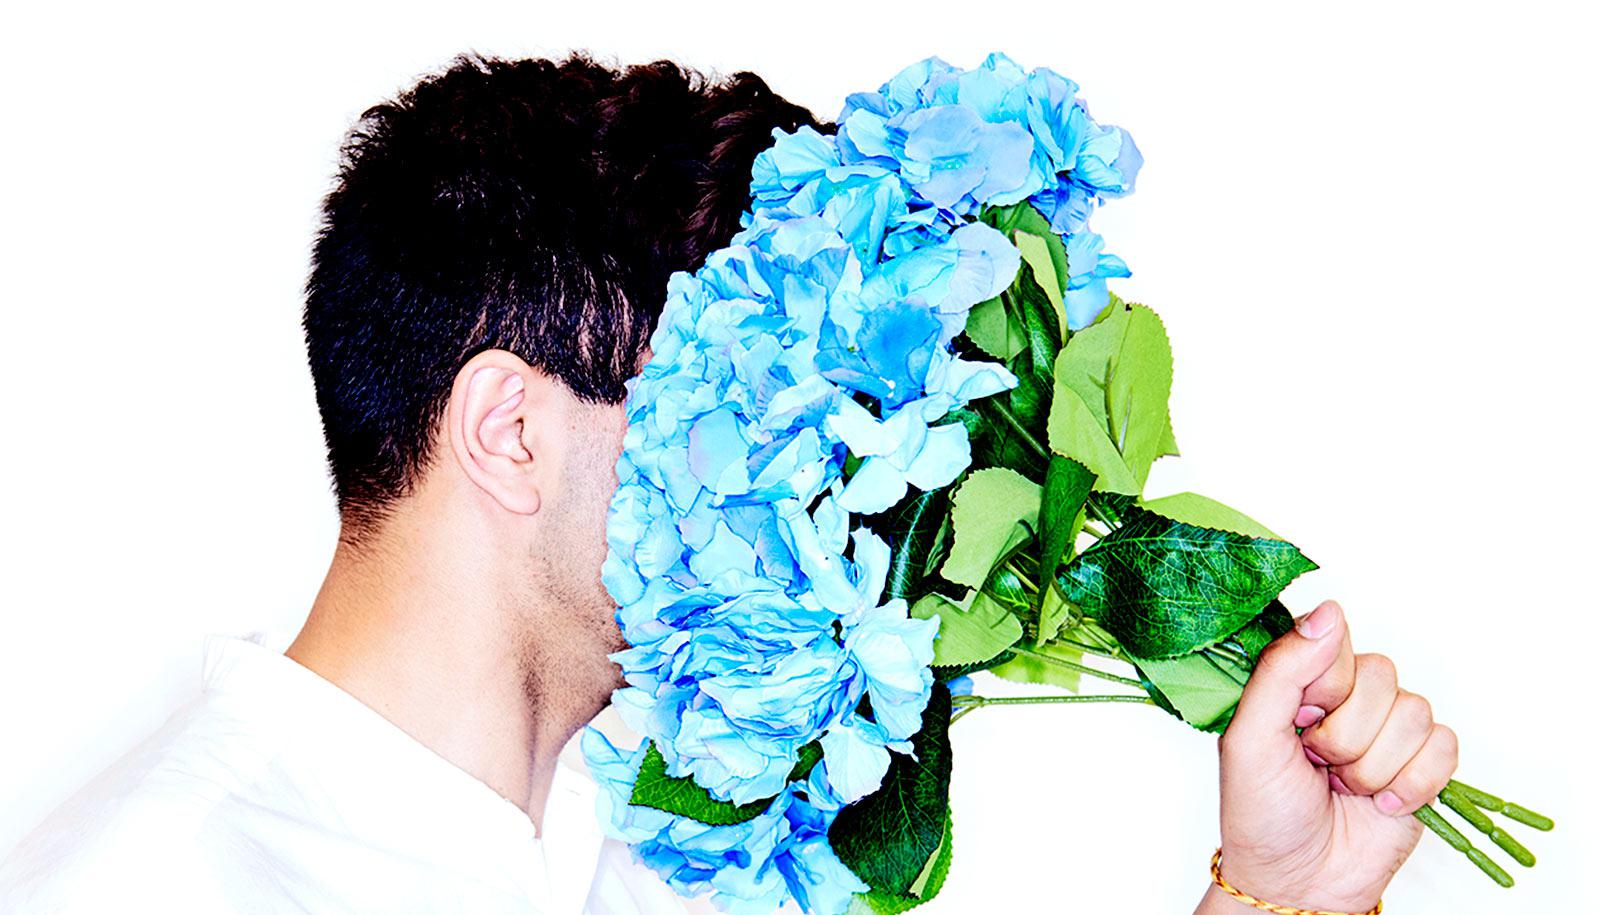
1322	819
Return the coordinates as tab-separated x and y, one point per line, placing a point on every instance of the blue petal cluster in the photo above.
752	603
997	135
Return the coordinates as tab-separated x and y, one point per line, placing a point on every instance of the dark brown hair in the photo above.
531	205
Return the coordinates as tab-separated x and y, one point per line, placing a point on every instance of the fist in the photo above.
1321	819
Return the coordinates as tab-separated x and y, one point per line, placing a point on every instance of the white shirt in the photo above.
274	790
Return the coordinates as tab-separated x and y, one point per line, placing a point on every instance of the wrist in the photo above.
1306	886
1216	902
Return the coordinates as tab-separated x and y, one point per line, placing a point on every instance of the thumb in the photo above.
1294	661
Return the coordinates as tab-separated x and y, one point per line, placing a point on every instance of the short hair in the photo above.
531	205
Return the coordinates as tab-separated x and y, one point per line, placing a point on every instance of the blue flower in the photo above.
1108	163
748	590
1086	294
899	450
751	867
959	686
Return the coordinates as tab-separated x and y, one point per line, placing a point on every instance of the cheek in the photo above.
602	488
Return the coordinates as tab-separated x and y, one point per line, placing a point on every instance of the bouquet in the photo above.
895	432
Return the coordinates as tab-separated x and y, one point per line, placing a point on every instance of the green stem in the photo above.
1431	819
1115	649
1237	657
981	701
1098	515
1221	670
1022	433
1095	532
1026	581
1510	811
1080	668
1481	822
1097	651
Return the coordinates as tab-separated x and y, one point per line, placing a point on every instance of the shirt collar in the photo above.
358	768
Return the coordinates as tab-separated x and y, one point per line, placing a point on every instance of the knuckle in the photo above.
1331	744
1449	743
1424	777
1271	657
1416	711
1413	792
1360	779
1418	784
1377	667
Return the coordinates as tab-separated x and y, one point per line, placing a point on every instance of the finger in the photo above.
1329	691
1287	666
1403	733
1350	729
1421	779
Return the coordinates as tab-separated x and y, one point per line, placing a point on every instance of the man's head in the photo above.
490	266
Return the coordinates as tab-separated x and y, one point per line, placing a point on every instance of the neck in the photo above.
416	624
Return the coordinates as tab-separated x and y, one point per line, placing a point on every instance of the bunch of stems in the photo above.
1471	804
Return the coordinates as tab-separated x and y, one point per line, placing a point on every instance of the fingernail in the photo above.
1308	715
1318	622
1312	755
1388	802
1338	784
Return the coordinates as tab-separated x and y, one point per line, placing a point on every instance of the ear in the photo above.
496	404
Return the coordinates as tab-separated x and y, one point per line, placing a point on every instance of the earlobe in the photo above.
491	433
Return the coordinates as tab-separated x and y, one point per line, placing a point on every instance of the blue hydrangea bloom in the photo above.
748	579
750	868
960	138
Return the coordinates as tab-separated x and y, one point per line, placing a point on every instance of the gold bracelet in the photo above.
1247	899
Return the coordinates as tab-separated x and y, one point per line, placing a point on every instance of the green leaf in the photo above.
1111	506
1201	688
1075	433
971	630
1024	669
931	879
810	755
887	837
916	534
1192	508
925	887
1169	442
1054	609
1048	263
1121	369
1114	305
1029	401
1086	361
682	796
946	674
1020	215
1277	620
1042	319
1141	383
1066	488
1164	588
995	330
998	438
987	508
1004	586
1041	248
1041	323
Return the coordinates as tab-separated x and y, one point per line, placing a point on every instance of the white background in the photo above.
1370	231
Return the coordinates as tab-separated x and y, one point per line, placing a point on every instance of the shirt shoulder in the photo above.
131	838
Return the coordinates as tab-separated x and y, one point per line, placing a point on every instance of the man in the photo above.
487	276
